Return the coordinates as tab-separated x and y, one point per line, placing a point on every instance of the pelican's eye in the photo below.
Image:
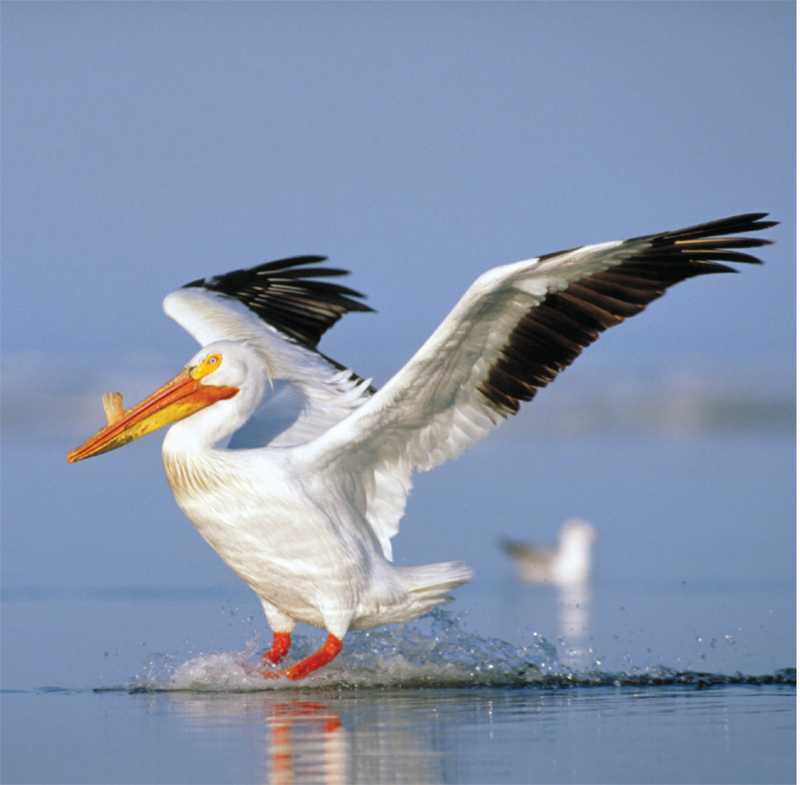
207	366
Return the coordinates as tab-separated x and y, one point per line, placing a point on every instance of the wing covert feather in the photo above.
280	311
514	330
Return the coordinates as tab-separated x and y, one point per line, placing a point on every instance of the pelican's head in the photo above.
221	378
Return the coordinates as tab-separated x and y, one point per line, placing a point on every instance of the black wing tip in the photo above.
292	267
291	261
356	305
750	242
732	224
740	218
290	294
719	228
288	263
744	217
714	240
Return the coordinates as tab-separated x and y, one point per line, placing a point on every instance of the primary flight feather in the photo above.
307	520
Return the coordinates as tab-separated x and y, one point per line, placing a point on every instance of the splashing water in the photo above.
434	651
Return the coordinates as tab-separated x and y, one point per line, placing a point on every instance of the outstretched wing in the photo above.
514	330
281	309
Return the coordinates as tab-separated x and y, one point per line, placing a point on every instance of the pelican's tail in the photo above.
428	585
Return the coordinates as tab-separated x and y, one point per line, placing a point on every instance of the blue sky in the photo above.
416	144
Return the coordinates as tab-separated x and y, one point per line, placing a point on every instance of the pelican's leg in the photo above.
337	622
281	643
282	627
322	656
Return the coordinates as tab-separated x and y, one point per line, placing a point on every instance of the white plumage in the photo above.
307	520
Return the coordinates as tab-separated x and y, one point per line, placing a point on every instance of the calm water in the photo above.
603	734
128	650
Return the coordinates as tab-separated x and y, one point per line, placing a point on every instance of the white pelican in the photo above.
569	564
307	520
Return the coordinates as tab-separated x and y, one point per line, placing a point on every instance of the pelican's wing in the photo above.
516	328
281	309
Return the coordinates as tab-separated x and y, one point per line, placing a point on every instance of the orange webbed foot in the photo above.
281	643
328	652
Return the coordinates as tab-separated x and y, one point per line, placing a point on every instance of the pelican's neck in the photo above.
213	426
193	459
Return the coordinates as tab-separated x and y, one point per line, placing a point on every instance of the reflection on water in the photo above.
432	702
305	740
494	734
574	624
306	736
712	566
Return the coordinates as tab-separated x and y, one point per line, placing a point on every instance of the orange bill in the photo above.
177	399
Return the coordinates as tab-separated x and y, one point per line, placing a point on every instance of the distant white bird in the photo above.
307	520
569	564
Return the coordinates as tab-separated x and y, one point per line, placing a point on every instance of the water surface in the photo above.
129	651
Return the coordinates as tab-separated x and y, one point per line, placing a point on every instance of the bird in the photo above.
569	564
307	519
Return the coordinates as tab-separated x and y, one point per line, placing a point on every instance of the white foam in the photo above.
433	651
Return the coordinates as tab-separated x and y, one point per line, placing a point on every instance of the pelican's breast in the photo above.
191	479
267	526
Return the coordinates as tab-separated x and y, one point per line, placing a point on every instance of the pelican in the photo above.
307	520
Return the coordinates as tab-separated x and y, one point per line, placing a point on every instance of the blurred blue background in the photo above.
145	145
